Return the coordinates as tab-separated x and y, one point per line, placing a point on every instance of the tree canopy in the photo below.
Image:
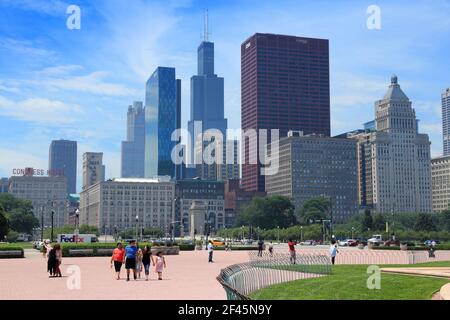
19	213
315	209
4	225
268	212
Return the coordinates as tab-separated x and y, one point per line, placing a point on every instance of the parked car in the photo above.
389	243
375	240
247	241
429	242
348	243
218	242
308	243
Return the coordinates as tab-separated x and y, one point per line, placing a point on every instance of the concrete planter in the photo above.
199	247
360	246
403	247
166	250
5	254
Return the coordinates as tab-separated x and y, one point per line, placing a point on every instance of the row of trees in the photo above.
279	211
16	216
270	214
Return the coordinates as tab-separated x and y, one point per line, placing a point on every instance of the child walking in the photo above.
160	264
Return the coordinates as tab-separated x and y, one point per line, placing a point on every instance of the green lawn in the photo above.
349	282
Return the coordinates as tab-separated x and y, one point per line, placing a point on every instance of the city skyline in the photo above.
62	83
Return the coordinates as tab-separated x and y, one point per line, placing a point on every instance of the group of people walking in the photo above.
136	260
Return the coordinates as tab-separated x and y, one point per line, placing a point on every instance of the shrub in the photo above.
11	247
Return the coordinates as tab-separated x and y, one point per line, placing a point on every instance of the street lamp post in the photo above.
137	223
301	233
42	223
77	222
53	214
353	231
278	234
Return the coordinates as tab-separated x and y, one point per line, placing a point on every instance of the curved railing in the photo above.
239	280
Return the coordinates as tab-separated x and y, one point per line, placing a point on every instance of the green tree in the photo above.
4	224
315	209
445	216
367	221
268	213
12	236
424	222
22	220
379	222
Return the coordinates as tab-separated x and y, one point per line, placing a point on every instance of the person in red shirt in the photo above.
117	258
291	245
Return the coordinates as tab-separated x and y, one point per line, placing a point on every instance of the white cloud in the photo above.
48	7
11	158
24	47
40	110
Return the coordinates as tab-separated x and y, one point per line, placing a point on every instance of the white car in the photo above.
376	239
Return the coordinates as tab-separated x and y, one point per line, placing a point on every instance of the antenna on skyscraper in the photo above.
206	27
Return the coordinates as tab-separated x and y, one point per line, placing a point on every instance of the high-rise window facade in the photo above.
285	85
63	161
446	121
160	122
133	149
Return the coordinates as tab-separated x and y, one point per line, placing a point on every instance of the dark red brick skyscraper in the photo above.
285	84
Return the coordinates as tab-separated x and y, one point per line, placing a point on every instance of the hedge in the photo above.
237	248
96	246
445	246
10	247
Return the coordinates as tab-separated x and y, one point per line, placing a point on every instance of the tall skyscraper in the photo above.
133	150
446	121
161	119
394	160
63	161
93	168
285	85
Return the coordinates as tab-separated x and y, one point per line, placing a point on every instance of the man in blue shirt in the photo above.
130	258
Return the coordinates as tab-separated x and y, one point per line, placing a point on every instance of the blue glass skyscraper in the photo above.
133	148
161	119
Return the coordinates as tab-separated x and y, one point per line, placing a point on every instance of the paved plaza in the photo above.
188	276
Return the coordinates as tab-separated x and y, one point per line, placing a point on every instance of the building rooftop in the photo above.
395	92
141	180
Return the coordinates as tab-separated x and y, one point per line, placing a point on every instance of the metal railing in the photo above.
240	280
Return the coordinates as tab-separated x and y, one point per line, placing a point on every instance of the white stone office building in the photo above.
116	203
394	160
440	182
446	121
313	166
47	194
93	168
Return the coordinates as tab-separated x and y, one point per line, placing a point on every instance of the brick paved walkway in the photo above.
188	276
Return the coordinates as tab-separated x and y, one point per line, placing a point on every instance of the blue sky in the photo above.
76	84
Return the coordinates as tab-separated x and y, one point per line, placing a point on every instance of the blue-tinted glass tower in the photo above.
161	119
133	148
